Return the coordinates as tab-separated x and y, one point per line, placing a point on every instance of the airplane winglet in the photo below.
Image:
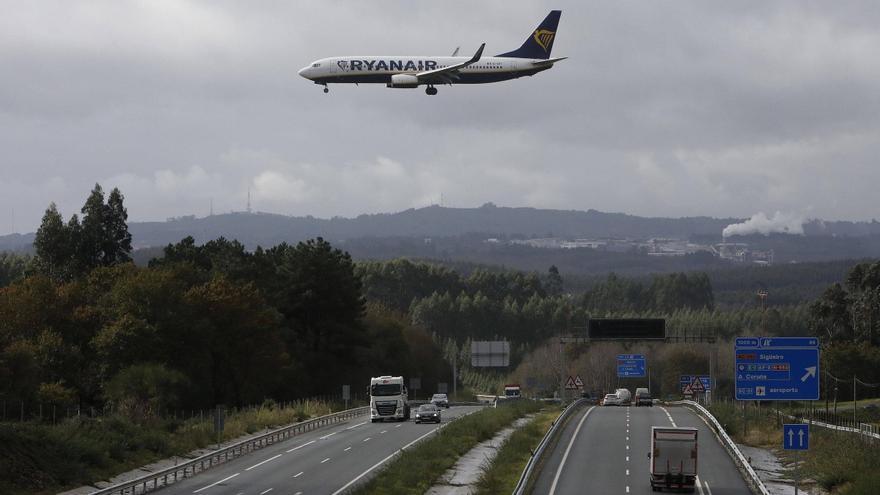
477	55
455	53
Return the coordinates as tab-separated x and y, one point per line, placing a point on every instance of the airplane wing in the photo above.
447	74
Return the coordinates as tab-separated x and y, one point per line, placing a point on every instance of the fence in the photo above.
187	469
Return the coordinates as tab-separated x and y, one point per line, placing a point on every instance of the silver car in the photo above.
611	400
440	400
428	413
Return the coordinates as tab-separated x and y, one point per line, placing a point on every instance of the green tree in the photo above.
143	390
554	284
55	246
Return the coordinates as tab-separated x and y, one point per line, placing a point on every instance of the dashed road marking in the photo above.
266	491
301	446
347	448
264	462
328	436
325	460
383	431
355	426
217	483
627	458
627	447
398	426
627	472
627	488
367	439
297	475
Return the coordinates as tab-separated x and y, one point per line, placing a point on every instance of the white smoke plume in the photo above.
781	223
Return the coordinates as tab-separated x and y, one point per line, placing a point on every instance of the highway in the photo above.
604	450
324	461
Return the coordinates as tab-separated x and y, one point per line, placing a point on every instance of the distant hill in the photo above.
264	229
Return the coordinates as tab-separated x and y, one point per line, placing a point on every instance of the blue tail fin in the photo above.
540	42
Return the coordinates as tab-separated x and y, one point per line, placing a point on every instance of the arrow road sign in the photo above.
777	368
796	436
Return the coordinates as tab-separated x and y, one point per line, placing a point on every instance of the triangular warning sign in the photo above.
697	385
688	391
569	384
578	381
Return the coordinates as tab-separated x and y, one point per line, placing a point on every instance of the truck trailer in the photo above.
673	458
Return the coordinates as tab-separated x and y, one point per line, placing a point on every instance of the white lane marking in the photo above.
217	483
669	416
347	448
267	491
383	431
706	484
355	426
699	486
627	447
627	472
297	475
298	493
398	426
627	488
568	449
301	446
627	458
328	436
264	462
383	461
325	460
627	438
367	439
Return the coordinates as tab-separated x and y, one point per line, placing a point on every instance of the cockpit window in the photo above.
316	65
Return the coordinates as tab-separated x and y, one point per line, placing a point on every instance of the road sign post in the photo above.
777	368
796	436
346	394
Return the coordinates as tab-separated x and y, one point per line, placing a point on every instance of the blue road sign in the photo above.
777	368
796	436
631	366
685	380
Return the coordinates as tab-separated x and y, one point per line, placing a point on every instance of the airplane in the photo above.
412	71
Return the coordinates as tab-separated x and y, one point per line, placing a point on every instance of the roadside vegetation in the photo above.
43	458
840	462
502	474
419	467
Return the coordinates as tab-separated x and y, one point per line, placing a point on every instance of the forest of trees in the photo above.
218	323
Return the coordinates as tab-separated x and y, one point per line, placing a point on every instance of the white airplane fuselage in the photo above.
379	69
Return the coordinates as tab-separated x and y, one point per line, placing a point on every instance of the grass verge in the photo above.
43	459
841	463
502	474
417	469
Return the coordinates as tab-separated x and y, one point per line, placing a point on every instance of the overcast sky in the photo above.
663	109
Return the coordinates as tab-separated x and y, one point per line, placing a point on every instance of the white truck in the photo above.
673	458
623	396
388	399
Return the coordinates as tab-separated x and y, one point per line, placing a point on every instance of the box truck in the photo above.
673	458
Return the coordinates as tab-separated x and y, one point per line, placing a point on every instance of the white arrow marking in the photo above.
811	371
791	437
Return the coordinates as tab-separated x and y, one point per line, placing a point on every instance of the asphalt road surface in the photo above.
324	461
604	450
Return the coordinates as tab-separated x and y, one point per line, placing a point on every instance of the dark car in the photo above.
428	413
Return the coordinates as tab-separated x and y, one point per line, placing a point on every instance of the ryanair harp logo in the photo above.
544	38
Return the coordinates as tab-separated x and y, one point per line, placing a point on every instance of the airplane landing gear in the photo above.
431	90
326	89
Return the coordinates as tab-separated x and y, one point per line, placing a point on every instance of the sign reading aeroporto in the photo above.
777	368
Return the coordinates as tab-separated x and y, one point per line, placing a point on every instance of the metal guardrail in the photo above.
538	454
751	477
190	468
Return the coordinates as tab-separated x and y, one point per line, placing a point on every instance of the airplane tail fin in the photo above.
540	42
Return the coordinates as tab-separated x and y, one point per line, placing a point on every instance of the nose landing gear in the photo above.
431	90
